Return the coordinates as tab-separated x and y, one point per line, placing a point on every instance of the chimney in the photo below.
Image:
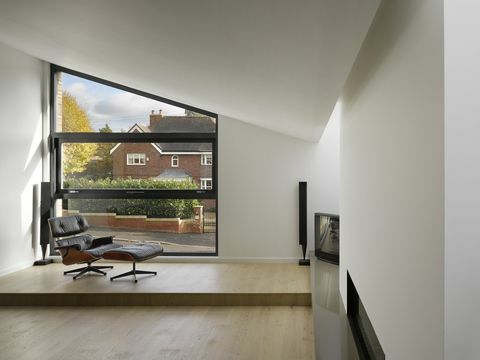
155	118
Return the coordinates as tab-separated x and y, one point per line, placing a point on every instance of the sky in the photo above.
117	108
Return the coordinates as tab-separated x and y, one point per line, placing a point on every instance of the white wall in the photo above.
462	179
21	149
392	188
258	178
259	172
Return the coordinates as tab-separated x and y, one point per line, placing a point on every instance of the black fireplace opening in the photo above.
366	340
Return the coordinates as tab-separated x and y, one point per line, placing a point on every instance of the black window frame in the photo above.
56	139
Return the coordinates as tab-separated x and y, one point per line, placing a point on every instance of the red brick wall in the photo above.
209	204
189	163
122	170
155	163
141	223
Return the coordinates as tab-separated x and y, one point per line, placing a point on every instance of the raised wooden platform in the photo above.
177	284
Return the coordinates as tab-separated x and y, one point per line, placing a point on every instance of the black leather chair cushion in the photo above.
80	242
100	250
68	225
139	252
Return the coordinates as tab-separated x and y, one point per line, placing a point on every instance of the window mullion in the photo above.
86	137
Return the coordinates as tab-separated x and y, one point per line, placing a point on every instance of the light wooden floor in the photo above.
157	333
171	277
188	284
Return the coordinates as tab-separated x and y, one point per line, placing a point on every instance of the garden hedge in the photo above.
154	208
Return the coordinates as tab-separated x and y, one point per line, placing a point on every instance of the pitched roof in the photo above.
185	147
144	128
174	124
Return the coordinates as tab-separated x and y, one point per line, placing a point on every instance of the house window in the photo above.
174	160
206	184
113	163
206	159
136	159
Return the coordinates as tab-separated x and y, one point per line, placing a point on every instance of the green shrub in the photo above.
129	183
158	208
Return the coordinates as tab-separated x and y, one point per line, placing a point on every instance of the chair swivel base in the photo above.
134	272
86	269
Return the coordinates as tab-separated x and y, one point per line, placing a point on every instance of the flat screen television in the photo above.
327	237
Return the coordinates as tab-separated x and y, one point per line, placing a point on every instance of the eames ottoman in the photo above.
134	253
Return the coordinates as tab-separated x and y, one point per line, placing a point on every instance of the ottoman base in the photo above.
134	253
133	272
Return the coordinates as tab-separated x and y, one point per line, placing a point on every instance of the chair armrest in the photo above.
60	247
104	240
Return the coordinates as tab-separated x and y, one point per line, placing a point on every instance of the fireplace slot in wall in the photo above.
366	339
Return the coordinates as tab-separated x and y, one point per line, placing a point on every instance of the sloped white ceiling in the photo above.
275	63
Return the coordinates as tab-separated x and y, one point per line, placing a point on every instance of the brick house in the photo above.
167	161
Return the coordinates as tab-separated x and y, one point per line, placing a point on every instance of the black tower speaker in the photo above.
302	221
45	209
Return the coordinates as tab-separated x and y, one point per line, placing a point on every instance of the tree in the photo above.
102	167
75	119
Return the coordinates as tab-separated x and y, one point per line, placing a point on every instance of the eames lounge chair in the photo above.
79	248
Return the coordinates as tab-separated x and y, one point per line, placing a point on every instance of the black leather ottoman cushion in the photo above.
139	252
100	250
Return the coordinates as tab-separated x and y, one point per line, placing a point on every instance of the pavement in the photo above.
206	240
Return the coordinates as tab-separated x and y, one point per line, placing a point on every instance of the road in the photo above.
203	240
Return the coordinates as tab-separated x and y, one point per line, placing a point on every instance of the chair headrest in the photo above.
67	225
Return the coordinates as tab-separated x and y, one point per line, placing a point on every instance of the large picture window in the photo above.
129	160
